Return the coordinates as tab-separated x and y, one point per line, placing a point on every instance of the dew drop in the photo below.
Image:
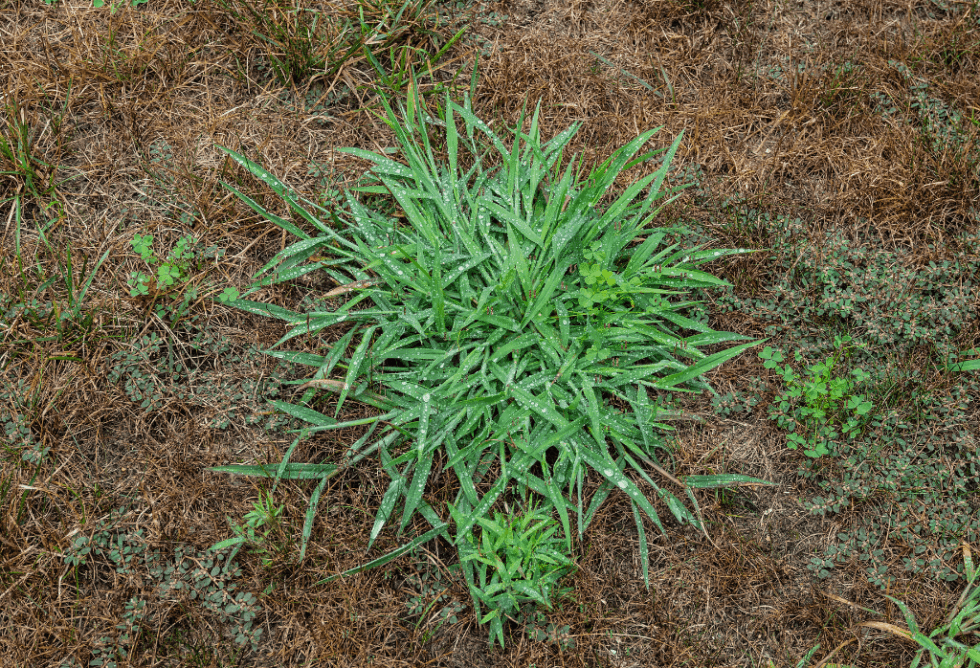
426	397
608	472
621	484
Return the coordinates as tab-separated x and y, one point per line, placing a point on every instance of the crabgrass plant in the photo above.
506	331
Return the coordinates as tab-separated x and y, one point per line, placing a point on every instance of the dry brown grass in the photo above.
97	94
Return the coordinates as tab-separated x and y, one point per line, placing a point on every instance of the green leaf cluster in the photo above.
821	394
173	271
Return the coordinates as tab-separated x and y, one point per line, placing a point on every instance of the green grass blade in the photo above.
304	413
509	217
592	408
472	122
391	556
385	509
88	283
721	480
290	472
644	551
609	470
284	224
353	371
703	366
382	164
310	514
545	294
423	454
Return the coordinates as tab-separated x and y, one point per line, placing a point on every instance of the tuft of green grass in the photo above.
21	163
509	331
943	648
114	5
302	42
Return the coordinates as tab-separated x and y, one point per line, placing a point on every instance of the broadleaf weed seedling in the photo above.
822	395
480	354
171	272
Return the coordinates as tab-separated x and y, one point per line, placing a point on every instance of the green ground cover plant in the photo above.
916	470
504	319
822	393
158	579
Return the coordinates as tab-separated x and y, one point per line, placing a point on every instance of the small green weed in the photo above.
152	372
943	129
518	560
172	270
206	580
18	409
430	594
539	629
842	86
265	514
822	394
741	402
171	274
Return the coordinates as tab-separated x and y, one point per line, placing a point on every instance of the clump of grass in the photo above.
301	41
507	329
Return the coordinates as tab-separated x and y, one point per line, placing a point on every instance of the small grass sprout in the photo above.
67	318
517	560
114	5
265	513
493	327
942	647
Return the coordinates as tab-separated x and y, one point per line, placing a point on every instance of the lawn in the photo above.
371	332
